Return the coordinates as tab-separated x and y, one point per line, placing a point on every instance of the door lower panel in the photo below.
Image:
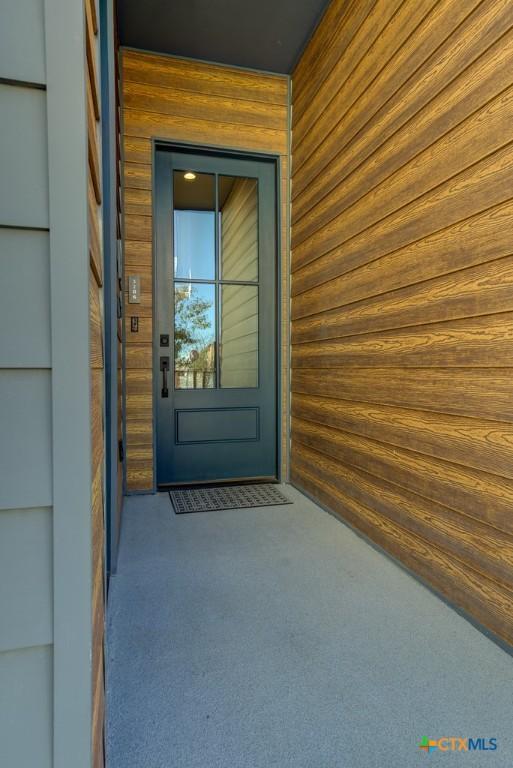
208	425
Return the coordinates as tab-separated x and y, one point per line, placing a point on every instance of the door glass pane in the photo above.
195	335
194	225
238	226
239	336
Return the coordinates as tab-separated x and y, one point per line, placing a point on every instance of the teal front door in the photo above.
215	344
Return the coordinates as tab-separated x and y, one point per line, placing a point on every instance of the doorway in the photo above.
215	365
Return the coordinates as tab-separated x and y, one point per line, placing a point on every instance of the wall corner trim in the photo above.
71	442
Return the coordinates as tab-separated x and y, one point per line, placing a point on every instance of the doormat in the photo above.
226	497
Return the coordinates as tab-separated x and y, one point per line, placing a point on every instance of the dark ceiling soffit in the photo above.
273	48
313	30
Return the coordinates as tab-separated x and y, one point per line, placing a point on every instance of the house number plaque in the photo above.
134	289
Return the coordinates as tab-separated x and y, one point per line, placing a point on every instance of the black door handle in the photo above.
164	367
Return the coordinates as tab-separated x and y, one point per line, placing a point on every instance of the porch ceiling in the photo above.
268	34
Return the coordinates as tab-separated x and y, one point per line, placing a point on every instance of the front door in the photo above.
215	345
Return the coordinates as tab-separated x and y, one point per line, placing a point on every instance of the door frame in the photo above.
159	145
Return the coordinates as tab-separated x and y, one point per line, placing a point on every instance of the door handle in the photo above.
164	367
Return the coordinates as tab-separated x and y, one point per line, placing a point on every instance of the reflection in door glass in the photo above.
238	217
194	225
239	336
194	343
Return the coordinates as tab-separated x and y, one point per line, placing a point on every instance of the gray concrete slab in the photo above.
277	637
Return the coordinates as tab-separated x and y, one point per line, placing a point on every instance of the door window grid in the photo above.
200	365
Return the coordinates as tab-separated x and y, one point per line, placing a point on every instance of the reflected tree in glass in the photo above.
195	362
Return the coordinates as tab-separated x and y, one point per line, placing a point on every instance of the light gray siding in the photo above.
26	603
22	41
45	545
26	557
23	157
25	305
26	706
25	438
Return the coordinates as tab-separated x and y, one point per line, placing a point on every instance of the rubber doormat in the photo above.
226	497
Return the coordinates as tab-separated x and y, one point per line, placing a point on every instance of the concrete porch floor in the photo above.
277	637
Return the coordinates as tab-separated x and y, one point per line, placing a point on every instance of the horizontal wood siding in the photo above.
202	104
402	277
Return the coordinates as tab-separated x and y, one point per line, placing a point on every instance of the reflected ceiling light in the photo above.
189	176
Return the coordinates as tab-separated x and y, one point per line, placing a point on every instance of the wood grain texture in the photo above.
168	101
138	201
96	419
441	161
137	254
481	290
402	269
479	545
475	493
473	241
95	324
139	476
202	78
481	596
457	48
382	34
92	146
208	132
138	356
139	433
202	104
459	391
328	253
139	392
370	156
473	443
137	175
340	22
91	10
138	227
136	150
95	248
469	342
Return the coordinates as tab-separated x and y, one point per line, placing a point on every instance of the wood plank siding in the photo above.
97	380
201	104
402	277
